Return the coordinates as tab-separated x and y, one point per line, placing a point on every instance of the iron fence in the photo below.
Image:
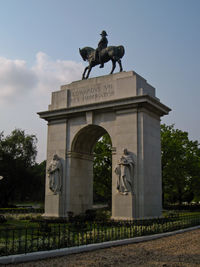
25	210
50	236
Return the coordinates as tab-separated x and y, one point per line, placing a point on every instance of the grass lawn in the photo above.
25	220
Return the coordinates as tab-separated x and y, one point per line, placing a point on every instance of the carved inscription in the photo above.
96	93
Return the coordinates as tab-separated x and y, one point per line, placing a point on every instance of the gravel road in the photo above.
174	251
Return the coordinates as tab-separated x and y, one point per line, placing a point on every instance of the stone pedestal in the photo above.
125	106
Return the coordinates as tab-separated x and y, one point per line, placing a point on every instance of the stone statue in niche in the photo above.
125	173
55	174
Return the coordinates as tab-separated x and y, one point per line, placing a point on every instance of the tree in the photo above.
103	170
180	165
18	153
37	180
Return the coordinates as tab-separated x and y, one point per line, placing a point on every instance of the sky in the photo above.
39	52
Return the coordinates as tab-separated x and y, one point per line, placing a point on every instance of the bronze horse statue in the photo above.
113	53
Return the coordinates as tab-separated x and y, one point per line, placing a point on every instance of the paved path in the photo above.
174	251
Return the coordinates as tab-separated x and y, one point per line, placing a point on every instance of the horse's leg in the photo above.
113	66
120	65
83	76
89	69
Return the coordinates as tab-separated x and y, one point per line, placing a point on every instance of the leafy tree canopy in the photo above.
18	167
19	146
180	165
103	170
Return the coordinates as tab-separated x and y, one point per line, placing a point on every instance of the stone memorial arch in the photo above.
125	106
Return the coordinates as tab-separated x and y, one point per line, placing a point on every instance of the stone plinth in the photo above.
125	106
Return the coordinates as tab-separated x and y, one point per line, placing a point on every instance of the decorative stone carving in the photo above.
125	173
55	174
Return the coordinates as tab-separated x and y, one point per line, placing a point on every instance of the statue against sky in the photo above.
102	54
101	45
125	173
55	174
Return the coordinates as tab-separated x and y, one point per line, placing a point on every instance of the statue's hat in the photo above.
103	33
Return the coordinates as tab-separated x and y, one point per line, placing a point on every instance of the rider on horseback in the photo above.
101	55
101	45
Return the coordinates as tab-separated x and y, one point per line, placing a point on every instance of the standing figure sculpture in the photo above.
101	55
101	45
55	175
125	173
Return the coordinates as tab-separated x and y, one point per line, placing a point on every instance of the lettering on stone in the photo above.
96	93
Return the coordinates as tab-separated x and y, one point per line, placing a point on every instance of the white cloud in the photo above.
51	74
15	79
45	76
24	91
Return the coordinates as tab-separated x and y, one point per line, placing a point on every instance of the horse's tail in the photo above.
121	51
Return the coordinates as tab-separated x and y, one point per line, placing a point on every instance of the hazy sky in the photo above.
39	52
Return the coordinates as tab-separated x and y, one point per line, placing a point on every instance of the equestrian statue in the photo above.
101	55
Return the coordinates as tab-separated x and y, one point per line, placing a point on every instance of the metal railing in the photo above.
24	210
50	236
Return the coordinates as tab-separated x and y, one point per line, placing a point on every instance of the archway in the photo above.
125	106
85	140
81	167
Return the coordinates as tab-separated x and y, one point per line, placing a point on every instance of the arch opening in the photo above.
86	138
91	169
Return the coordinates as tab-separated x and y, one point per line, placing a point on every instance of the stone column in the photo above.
56	144
123	205
149	178
80	182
